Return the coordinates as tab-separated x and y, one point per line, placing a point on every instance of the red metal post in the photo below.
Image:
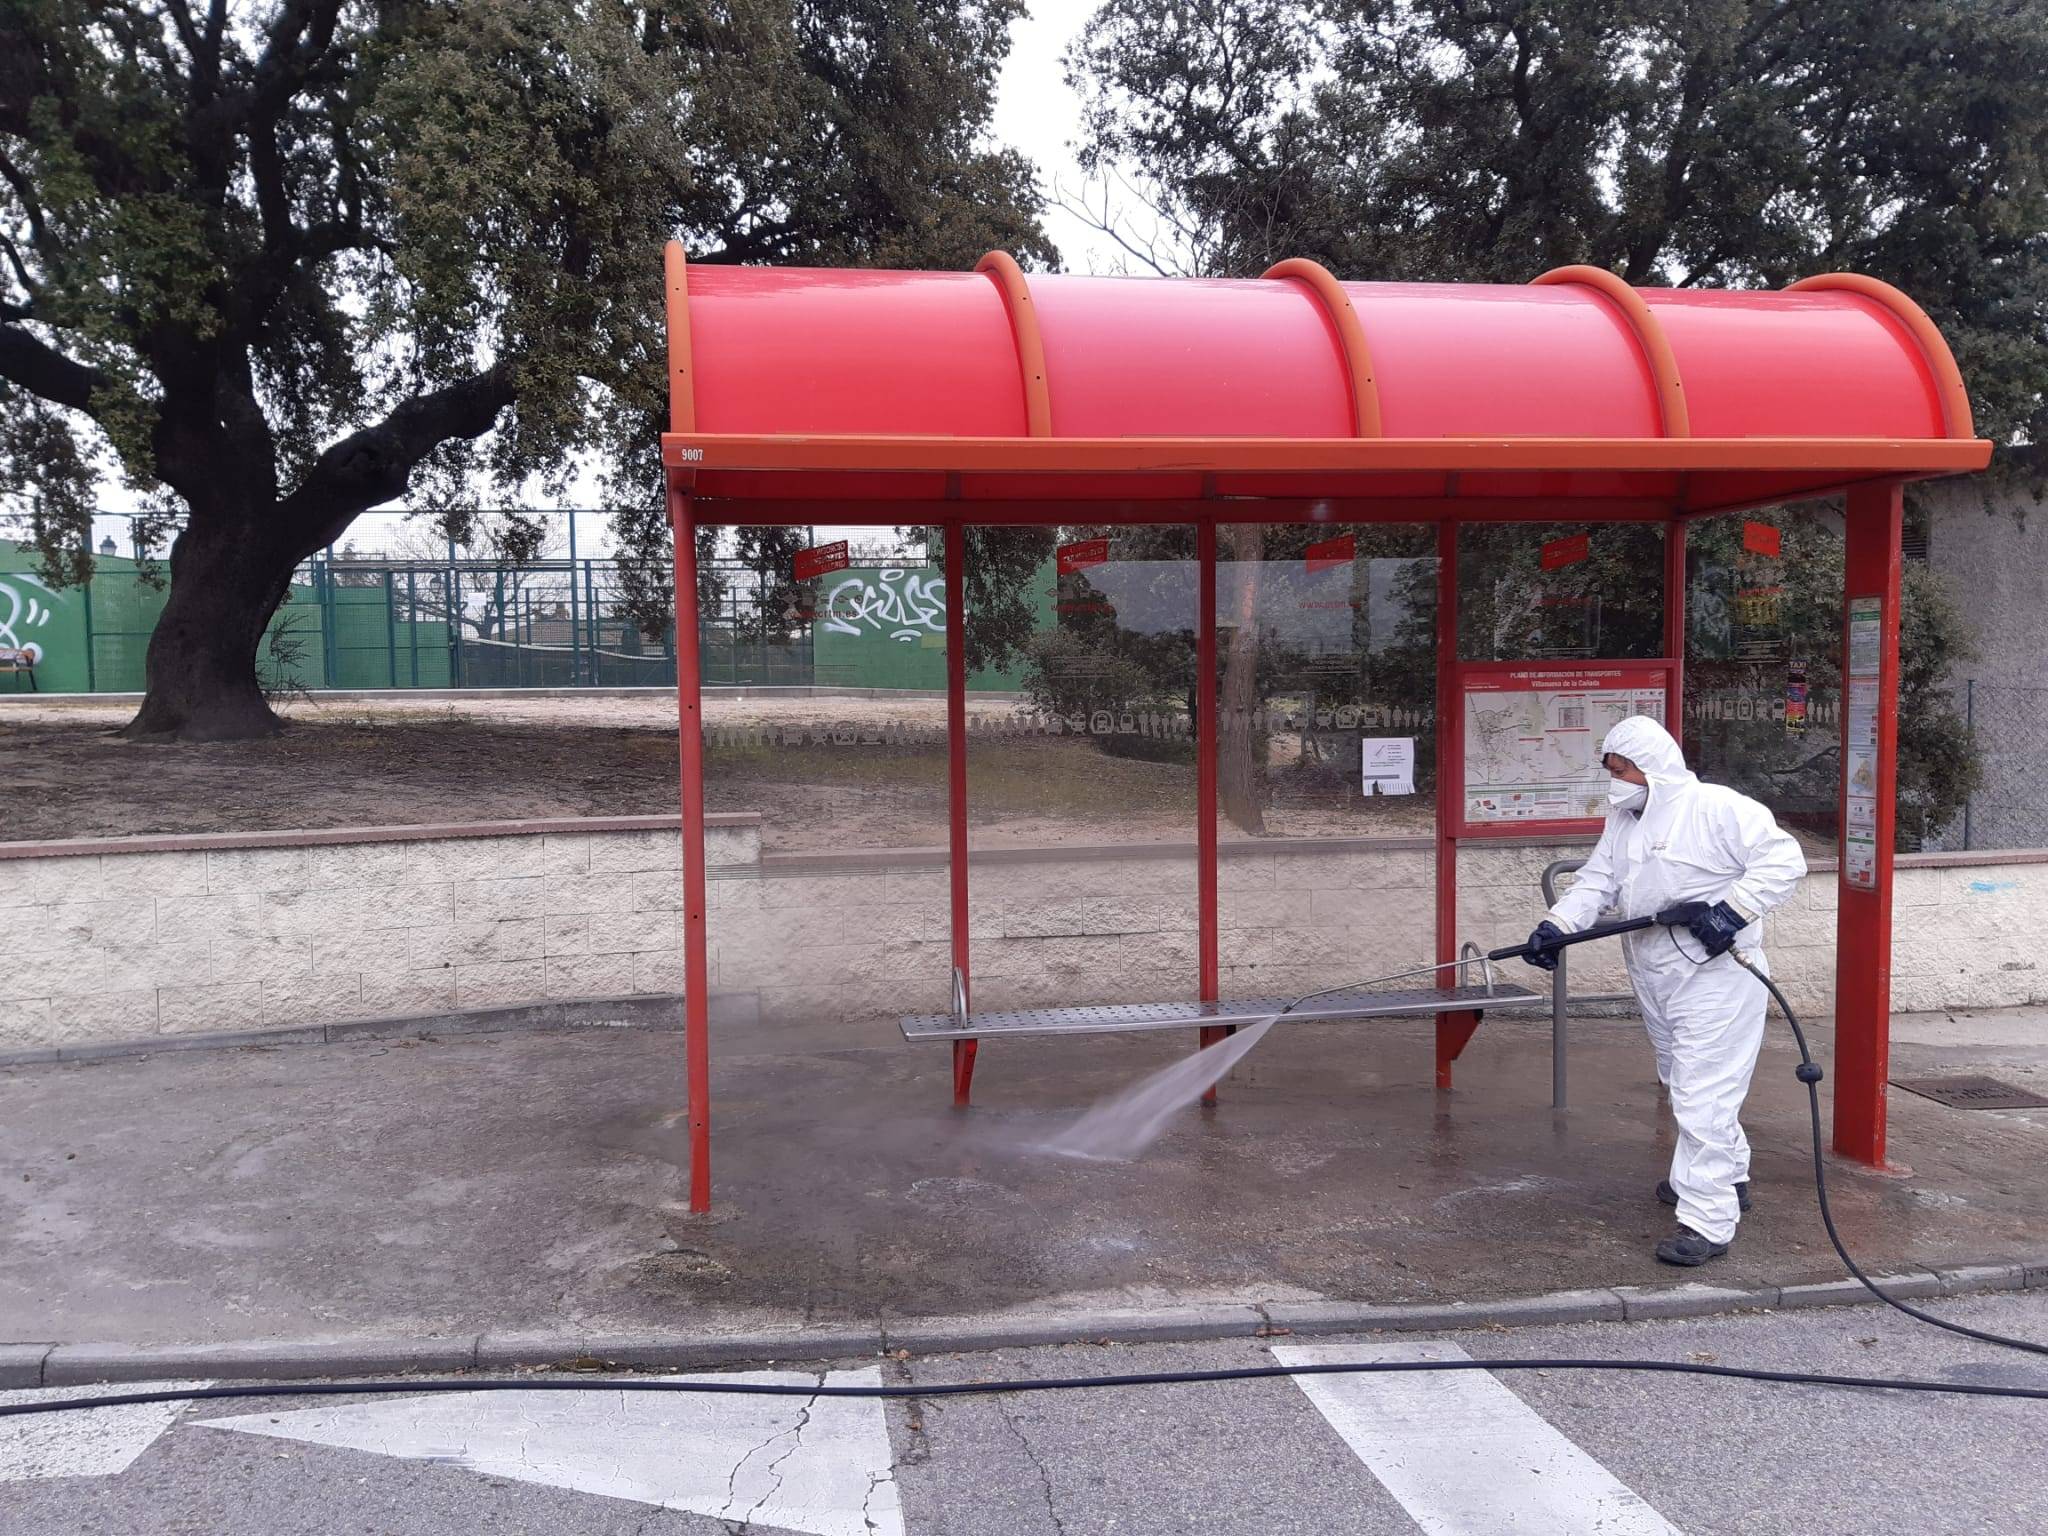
696	952
1452	1029
1870	740
956	784
1674	625
1207	947
1205	761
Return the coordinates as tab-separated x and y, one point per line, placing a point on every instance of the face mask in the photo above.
1624	796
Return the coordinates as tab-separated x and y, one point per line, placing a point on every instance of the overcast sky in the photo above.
1038	114
1035	112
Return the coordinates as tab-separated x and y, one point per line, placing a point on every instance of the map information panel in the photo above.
1532	739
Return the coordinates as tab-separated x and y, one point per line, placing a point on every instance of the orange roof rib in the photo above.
1671	407
1365	394
682	384
1016	292
1941	362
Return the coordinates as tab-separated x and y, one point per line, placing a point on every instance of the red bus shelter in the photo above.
879	398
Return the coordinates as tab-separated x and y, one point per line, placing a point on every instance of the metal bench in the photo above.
1129	1018
19	661
1215	1020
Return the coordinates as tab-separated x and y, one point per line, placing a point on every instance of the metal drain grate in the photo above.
1971	1092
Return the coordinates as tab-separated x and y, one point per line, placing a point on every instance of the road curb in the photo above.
33	1364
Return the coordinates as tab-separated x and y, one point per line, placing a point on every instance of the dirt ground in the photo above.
402	762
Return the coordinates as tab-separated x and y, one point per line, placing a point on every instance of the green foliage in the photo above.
1726	143
1073	677
1735	670
284	659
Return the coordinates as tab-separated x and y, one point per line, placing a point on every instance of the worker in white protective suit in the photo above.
1710	862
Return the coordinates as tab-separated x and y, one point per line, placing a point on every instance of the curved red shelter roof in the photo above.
991	385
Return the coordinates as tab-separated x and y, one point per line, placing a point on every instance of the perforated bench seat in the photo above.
1125	1018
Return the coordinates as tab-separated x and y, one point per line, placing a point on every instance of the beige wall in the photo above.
113	945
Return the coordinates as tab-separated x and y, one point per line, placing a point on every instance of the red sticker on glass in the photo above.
1761	539
1332	553
1559	553
821	561
1079	556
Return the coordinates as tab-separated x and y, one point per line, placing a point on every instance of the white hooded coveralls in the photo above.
1691	842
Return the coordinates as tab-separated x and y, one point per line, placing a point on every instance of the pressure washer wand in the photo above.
1597	931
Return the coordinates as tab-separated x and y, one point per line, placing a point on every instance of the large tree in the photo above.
283	265
1698	142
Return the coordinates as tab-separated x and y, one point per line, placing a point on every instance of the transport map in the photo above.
1532	740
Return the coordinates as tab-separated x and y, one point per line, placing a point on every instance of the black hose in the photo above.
1022	1384
1809	1073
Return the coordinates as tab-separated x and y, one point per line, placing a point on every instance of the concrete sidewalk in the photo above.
532	1185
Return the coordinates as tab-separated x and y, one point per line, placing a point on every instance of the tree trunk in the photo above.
1240	784
226	580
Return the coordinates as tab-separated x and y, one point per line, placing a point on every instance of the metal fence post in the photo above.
92	678
575	630
454	596
412	621
390	630
324	586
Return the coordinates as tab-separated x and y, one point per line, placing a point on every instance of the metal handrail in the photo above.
1467	953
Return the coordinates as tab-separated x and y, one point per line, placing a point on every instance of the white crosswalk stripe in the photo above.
821	1465
99	1443
1463	1454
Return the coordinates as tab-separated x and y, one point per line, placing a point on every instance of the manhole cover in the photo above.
1971	1092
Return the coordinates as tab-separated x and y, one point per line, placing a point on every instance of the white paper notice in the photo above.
1388	765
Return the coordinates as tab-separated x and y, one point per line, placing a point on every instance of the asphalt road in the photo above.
1517	1451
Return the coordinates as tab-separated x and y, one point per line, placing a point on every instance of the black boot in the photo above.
1688	1249
1670	1196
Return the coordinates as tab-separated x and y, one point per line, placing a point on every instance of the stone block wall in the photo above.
125	940
203	935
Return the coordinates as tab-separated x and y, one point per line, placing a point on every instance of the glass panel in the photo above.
825	778
1763	624
1541	591
1326	659
1081	764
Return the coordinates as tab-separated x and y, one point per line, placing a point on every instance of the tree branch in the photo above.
24	190
30	363
21	272
299	37
376	464
181	18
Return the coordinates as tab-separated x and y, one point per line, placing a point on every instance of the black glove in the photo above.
1544	944
1714	924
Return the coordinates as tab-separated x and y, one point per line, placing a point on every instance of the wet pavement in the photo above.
537	1181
